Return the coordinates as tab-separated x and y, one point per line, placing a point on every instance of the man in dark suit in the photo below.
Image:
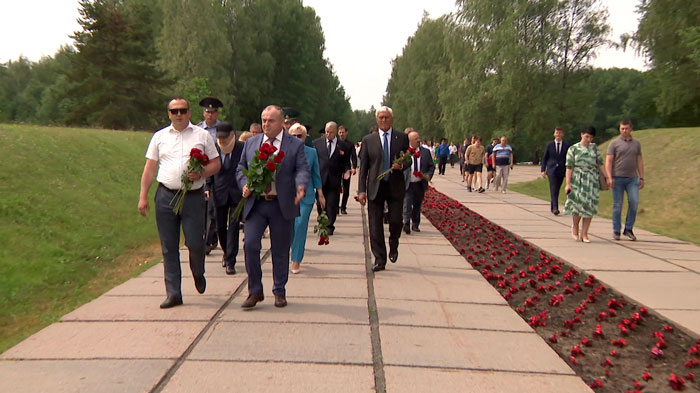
377	155
223	188
416	185
276	208
334	165
343	135
554	166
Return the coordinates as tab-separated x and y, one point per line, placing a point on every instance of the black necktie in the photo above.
330	143
226	160
558	149
415	164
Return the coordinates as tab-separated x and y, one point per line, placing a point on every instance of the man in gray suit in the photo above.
276	208
377	155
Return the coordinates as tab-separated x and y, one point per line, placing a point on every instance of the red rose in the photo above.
266	148
416	154
196	153
410	150
417	174
271	166
204	161
262	156
279	157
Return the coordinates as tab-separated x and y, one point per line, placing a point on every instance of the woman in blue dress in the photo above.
301	223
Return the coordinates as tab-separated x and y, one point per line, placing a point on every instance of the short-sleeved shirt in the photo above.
502	154
625	153
171	148
475	154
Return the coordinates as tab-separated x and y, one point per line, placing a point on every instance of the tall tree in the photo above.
669	35
117	84
195	52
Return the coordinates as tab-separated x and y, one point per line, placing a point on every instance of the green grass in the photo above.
669	203
70	225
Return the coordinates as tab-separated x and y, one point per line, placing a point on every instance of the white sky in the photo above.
362	36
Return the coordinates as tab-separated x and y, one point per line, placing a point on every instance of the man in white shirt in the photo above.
169	153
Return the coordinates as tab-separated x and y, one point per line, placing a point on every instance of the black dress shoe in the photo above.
230	269
331	231
407	229
200	283
555	212
415	229
280	301
252	300
393	256
208	248
343	211
171	301
377	268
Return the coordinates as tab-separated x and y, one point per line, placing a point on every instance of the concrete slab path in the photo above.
427	323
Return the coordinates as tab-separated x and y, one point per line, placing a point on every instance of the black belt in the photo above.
197	191
269	197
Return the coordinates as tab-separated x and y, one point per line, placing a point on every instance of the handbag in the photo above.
602	180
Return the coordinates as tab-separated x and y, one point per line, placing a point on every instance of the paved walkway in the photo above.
427	323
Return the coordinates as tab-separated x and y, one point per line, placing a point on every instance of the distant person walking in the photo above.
475	164
211	107
503	157
453	154
582	188
462	159
490	165
443	153
168	153
625	166
554	167
350	151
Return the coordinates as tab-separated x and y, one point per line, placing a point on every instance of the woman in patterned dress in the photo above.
582	188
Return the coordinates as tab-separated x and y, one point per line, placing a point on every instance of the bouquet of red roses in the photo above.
260	173
403	158
421	175
196	163
322	229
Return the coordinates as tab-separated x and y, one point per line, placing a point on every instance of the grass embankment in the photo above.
70	227
669	202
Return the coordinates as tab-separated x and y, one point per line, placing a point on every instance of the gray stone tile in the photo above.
302	310
475	349
216	286
76	376
203	376
657	290
420	380
452	315
100	340
146	308
292	342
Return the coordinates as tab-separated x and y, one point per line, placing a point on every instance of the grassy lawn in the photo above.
669	202
70	228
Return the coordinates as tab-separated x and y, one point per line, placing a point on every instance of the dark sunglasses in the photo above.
300	136
181	111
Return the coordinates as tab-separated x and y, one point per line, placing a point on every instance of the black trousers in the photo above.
375	213
555	181
332	196
210	222
412	204
442	163
346	193
228	230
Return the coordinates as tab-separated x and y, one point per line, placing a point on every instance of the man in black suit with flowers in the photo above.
554	166
334	165
376	156
417	178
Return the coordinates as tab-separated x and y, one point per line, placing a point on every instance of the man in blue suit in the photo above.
276	208
554	166
416	185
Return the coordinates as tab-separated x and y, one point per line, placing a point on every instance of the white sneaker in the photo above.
504	191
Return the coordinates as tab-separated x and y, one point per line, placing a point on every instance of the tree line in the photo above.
521	67
131	56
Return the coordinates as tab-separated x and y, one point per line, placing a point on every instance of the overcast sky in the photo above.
362	36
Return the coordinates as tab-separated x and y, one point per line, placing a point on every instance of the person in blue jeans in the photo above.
625	165
301	223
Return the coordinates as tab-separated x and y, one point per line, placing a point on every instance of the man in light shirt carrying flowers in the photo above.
168	154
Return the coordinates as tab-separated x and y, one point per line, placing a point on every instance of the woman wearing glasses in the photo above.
301	223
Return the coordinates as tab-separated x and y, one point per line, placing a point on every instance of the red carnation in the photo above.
271	166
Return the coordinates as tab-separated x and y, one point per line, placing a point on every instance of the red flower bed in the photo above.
610	342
